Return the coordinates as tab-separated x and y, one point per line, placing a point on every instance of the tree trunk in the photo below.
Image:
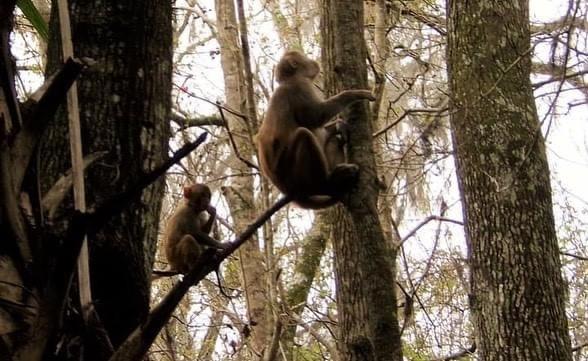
125	103
366	295
517	292
240	195
307	267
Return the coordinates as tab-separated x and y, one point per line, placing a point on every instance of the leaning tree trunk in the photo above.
517	291
124	107
366	299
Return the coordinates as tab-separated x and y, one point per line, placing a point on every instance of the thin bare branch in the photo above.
424	222
406	113
576	256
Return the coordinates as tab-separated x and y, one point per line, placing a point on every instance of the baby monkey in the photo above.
187	230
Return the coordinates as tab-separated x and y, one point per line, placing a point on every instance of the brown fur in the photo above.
184	245
297	153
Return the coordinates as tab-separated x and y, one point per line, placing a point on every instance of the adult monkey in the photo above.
299	154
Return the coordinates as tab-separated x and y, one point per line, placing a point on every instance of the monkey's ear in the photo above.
286	68
293	64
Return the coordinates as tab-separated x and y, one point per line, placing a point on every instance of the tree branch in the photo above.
39	110
54	196
117	203
576	256
138	343
424	222
185	122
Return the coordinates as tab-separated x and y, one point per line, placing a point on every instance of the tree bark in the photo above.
240	195
125	104
517	291
366	299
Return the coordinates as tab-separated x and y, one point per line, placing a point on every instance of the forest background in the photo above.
283	281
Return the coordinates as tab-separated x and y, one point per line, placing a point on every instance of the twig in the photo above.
564	76
115	204
232	141
404	115
577	256
234	112
424	222
579	347
156	274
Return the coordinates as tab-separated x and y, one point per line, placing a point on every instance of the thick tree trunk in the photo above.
366	299
517	292
125	103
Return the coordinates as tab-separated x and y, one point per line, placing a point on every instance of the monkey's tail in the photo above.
316	202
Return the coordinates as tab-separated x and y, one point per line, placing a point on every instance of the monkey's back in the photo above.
184	221
292	105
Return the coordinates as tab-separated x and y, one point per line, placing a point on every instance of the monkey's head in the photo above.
295	63
198	196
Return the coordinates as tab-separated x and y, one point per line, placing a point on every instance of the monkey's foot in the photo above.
343	177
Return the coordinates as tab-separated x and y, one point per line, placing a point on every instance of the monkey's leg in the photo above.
335	135
187	252
344	175
308	169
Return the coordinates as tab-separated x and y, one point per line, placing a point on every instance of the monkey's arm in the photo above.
201	235
207	227
335	104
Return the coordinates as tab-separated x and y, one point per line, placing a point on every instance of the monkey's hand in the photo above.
211	210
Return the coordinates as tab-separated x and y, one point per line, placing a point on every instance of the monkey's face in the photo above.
198	197
203	202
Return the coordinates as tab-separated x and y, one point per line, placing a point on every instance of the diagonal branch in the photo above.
117	203
141	339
